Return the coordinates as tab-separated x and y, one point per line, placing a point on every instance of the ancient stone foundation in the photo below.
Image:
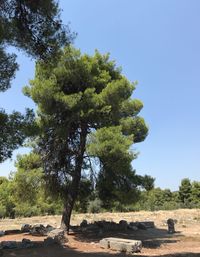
53	236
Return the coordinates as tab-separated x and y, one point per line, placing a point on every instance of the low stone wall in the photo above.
53	236
109	226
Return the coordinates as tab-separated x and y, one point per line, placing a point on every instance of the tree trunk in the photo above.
66	216
70	200
74	188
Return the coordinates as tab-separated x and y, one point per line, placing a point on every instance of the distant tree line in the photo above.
188	196
26	194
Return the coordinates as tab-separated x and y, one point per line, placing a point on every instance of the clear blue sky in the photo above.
157	43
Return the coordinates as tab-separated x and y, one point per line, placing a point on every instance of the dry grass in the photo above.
183	216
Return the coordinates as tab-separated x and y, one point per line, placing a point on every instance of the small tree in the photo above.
79	96
185	190
6	202
195	193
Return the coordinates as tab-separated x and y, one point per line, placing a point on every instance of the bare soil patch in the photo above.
156	241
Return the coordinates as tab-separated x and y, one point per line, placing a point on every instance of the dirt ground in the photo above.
156	242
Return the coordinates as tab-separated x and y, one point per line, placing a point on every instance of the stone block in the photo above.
143	225
2	233
118	246
104	243
12	231
171	227
49	241
8	244
26	228
134	228
38	230
122	245
123	225
58	235
84	223
27	243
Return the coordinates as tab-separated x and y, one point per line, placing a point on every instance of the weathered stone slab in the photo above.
120	244
25	243
26	228
2	233
49	241
58	235
148	224
134	228
143	224
38	230
104	243
8	244
12	231
123	225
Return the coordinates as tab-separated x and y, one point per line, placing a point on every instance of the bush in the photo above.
171	206
2	211
95	206
25	210
52	208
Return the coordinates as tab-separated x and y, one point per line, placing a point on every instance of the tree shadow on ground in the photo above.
151	238
60	251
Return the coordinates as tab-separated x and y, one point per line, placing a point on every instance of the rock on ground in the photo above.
122	245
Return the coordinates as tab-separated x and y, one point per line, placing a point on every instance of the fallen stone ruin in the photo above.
52	236
122	245
100	227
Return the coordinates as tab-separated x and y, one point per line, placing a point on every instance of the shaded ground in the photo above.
156	242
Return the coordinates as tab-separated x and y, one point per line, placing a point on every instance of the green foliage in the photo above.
26	210
84	196
24	194
147	182
195	192
8	67
35	28
157	199
116	182
185	191
95	206
27	181
84	101
2	211
6	201
14	128
32	26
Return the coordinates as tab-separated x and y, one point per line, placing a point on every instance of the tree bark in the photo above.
74	188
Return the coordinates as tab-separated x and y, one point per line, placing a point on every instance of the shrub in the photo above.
26	210
2	211
95	206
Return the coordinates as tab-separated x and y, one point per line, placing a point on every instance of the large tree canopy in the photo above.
85	111
34	27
